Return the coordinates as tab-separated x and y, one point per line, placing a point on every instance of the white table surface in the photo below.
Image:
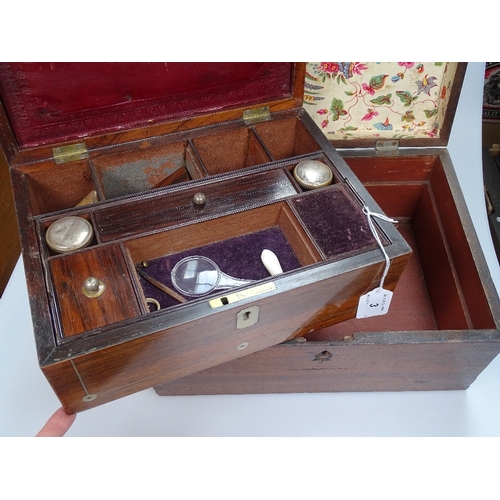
26	399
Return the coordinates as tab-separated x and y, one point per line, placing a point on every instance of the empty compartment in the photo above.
440	288
230	150
137	171
58	187
234	243
286	137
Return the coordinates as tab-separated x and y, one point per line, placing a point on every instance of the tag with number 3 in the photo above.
374	303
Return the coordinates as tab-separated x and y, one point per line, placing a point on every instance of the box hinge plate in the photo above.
73	152
256	115
390	146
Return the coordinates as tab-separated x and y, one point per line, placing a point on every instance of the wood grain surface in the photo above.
79	313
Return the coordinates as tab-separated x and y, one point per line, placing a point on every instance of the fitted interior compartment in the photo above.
233	242
335	222
58	187
133	172
440	288
78	312
230	150
161	209
286	137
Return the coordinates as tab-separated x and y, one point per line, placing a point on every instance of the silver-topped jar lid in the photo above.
68	234
312	174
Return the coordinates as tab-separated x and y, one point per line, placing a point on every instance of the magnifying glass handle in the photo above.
271	262
226	281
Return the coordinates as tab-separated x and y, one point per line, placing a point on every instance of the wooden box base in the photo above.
442	328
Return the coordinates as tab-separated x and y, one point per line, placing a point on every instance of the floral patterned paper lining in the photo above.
396	100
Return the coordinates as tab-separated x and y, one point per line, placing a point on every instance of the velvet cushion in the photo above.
238	257
335	222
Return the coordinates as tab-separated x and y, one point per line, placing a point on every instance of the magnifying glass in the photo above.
197	275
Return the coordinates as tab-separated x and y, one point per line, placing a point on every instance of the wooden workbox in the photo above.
122	170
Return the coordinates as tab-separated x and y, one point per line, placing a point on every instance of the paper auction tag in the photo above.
374	303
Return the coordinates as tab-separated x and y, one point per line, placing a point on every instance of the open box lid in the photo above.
356	104
379	104
49	104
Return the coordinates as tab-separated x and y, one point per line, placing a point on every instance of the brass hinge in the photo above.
256	115
390	146
73	152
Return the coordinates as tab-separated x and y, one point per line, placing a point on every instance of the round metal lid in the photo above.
311	174
68	234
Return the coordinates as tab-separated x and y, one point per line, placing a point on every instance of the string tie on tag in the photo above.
369	214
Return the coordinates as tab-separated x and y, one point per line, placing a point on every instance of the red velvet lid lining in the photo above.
50	103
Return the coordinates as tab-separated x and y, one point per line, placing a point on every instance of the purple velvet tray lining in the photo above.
238	257
334	221
330	216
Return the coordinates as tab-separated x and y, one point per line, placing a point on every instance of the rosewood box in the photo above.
123	172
